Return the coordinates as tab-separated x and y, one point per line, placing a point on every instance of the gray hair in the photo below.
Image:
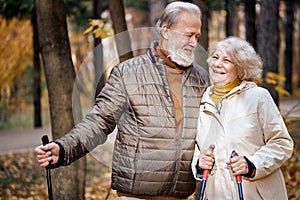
241	54
171	13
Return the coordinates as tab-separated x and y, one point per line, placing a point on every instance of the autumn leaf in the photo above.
282	91
88	30
99	28
271	81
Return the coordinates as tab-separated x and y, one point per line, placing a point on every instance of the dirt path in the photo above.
13	141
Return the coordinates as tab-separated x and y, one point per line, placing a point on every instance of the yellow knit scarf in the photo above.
220	90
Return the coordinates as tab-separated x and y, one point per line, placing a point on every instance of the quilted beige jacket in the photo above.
151	156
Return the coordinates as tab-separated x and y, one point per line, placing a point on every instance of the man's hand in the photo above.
47	154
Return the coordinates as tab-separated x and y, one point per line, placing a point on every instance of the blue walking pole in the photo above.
238	178
205	177
239	183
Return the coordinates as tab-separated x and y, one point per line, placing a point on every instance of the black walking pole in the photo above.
45	141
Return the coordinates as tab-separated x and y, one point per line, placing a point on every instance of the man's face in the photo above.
182	39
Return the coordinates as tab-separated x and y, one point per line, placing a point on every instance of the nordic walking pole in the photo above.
238	178
205	177
45	141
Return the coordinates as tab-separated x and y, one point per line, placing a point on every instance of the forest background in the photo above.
91	37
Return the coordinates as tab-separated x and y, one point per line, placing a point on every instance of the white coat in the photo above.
246	120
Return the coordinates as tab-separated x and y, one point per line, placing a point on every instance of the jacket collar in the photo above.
211	107
245	85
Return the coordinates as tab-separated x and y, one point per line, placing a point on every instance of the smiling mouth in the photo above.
217	72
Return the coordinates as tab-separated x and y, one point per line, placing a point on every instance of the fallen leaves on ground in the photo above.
22	178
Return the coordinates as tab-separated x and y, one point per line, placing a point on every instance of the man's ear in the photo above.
165	32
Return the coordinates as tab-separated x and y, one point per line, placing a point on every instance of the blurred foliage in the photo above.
218	5
16	52
99	28
275	80
78	12
291	169
17	35
141	4
16	61
16	8
16	64
21	119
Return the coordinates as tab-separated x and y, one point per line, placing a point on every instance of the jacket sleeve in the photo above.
98	123
195	169
278	143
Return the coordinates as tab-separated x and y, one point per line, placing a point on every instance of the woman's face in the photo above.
222	70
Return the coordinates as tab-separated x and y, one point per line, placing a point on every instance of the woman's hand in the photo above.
206	159
238	165
47	154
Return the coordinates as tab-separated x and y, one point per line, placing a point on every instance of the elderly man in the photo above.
153	99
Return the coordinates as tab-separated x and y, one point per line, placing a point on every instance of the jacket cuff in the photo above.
251	167
61	156
199	171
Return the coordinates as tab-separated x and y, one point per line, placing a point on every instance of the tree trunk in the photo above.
228	24
67	182
298	24
268	40
37	117
156	8
98	53
289	30
232	18
250	19
201	52
122	38
202	4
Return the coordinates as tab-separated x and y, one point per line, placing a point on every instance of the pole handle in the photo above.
238	178
45	140
205	174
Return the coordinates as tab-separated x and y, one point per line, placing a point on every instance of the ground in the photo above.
22	178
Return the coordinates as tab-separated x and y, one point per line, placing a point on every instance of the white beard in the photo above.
181	58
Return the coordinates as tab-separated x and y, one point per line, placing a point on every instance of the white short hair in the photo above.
171	13
242	54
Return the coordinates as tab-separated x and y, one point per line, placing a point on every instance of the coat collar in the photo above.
245	85
211	107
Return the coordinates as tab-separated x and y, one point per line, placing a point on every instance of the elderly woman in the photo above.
236	114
